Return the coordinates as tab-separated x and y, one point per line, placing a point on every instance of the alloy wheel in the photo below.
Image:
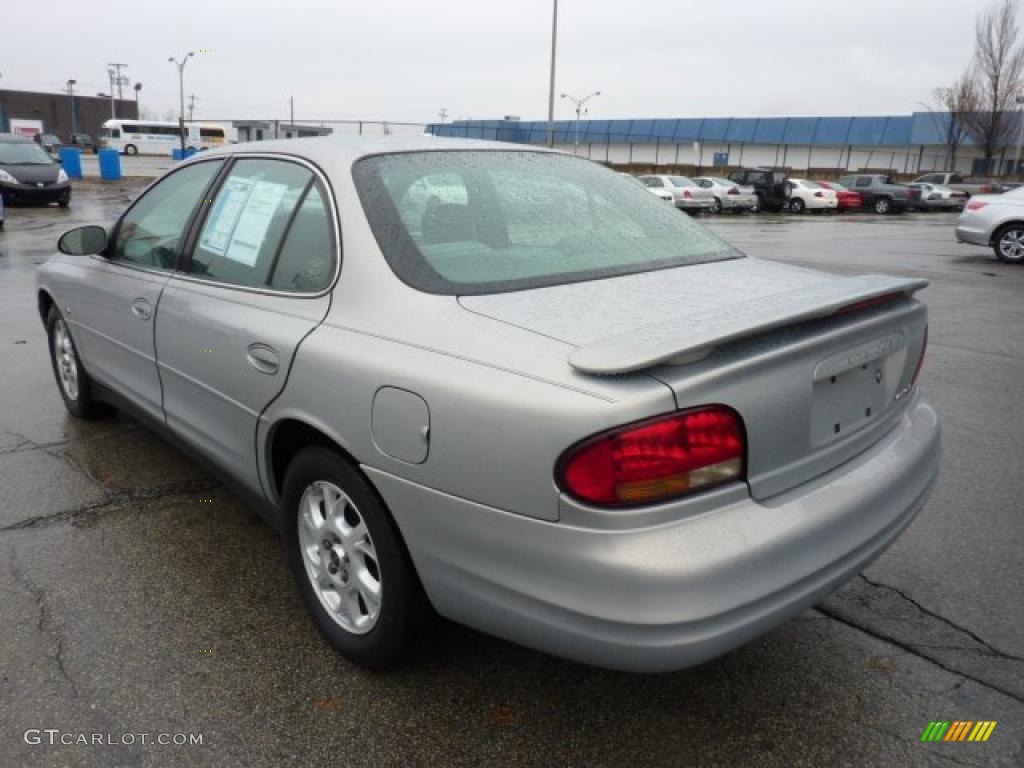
1011	245
64	357
340	558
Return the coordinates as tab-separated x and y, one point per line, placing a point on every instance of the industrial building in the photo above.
62	113
901	144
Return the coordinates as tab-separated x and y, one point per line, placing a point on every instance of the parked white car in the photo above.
659	192
996	221
807	195
729	196
686	193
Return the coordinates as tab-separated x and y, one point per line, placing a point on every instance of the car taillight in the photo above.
733	191
985	189
858	306
920	360
658	459
687	194
976	205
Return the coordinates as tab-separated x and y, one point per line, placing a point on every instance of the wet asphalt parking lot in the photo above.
139	597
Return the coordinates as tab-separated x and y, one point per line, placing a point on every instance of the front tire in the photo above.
349	562
73	382
796	205
131	149
1008	244
717	205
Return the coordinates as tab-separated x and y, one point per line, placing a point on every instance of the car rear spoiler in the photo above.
688	338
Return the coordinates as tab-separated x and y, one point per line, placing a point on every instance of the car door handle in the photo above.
263	358
141	309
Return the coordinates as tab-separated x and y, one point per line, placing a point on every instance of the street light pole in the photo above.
71	93
551	83
580	110
181	92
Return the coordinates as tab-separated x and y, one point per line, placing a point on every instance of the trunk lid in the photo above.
814	388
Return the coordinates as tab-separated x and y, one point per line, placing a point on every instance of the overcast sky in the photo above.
479	58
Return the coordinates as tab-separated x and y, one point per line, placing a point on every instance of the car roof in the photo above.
348	149
13	138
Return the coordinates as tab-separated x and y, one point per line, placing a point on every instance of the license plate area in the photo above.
856	387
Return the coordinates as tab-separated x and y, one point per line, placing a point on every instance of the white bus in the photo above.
149	137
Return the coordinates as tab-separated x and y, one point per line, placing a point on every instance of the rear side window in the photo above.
652	181
306	261
248	221
863	181
518	219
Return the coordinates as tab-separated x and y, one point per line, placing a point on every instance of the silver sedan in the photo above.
506	383
995	221
687	194
729	196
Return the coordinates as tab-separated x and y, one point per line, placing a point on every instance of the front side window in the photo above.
519	219
653	181
151	233
248	221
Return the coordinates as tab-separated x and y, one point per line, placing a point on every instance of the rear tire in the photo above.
73	382
1008	244
796	205
882	205
717	207
349	562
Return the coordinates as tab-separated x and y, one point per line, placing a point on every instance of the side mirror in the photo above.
83	241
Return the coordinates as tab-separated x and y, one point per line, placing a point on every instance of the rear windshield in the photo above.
474	222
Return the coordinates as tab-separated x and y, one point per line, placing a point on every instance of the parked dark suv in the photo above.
880	193
769	186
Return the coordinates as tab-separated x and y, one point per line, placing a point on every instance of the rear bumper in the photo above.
973	235
695	205
667	596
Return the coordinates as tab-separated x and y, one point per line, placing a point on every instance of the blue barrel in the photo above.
110	164
177	154
71	161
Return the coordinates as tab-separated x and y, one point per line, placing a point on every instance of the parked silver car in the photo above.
540	400
996	221
936	197
729	196
687	194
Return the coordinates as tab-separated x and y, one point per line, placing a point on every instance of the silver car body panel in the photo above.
494	541
979	225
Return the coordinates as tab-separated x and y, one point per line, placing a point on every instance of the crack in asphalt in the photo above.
46	624
990	649
914	651
112	502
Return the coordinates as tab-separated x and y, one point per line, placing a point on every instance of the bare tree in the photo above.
998	74
955	104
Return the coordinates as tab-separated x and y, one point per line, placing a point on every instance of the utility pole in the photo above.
551	84
138	87
291	109
181	92
120	80
113	111
71	93
191	106
580	103
443	114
